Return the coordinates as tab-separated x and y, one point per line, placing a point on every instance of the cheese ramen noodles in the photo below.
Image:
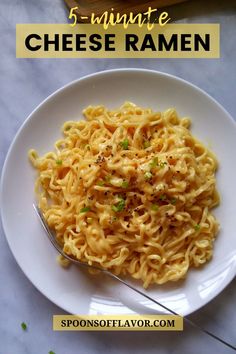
130	190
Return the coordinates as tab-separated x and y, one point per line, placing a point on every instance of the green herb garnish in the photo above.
154	207
124	144
119	206
146	144
24	326
154	162
59	162
84	210
107	178
162	197
162	164
173	201
147	175
125	184
51	352
68	127
197	227
100	183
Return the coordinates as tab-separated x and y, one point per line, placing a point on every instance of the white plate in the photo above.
74	290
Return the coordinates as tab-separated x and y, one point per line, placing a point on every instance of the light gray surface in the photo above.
24	84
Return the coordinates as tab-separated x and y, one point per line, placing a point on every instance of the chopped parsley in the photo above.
173	201
147	175
85	209
51	352
107	178
162	197
100	183
125	184
162	164
118	206
154	207
146	144
124	144
197	227
154	162
59	162
24	326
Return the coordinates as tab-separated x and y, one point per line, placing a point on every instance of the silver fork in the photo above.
52	238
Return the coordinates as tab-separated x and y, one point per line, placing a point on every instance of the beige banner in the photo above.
117	323
93	41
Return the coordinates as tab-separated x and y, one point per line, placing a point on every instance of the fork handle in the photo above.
187	320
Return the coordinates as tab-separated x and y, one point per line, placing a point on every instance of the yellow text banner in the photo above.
93	41
117	323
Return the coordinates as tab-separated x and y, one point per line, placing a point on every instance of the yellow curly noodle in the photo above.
131	190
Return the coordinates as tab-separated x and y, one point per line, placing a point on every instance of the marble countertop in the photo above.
24	84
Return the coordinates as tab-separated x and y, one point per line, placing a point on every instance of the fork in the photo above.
52	238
